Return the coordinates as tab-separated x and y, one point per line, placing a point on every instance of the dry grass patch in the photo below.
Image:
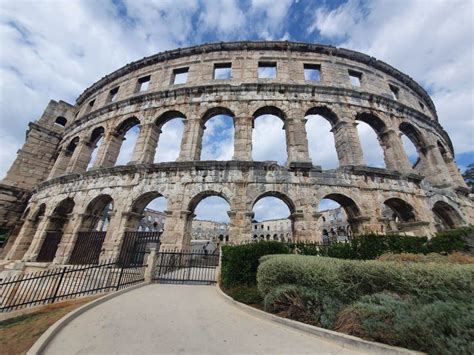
18	334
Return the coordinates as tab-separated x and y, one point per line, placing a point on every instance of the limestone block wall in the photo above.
53	163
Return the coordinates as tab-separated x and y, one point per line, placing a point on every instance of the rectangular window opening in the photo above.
113	94
90	105
312	72
222	71
395	91
267	70
143	83
180	76
355	77
421	105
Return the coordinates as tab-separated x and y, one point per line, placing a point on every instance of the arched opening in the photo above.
218	137
396	213
446	216
94	224
28	231
96	139
370	128
170	131
71	147
60	121
321	144
269	141
338	212
54	230
208	219
274	209
148	213
128	133
413	143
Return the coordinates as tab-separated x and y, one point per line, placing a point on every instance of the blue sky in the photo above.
54	49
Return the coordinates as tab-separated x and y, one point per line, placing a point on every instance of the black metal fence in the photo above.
186	267
49	246
66	283
135	246
87	248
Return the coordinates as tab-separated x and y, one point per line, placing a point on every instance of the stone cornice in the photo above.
214	165
255	46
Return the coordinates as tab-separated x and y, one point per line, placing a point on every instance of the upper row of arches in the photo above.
270	138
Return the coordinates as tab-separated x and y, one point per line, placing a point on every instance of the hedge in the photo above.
422	306
349	280
239	263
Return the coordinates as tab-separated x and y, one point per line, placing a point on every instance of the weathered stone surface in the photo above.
53	162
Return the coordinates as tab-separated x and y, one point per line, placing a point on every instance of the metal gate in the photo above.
187	267
135	246
49	247
87	248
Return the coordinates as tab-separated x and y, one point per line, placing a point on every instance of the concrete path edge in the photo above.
343	339
51	332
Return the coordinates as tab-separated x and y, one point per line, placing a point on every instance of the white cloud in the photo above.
270	208
321	146
169	142
224	16
126	150
430	41
268	139
371	148
218	139
212	208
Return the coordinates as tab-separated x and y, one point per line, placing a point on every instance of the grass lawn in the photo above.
18	334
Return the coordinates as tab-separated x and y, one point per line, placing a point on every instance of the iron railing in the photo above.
136	245
67	282
186	267
87	248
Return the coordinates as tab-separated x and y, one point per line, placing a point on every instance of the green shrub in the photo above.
239	263
303	304
453	258
437	328
348	280
447	242
245	294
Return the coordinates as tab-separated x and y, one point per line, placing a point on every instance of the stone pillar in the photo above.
61	164
108	151
24	239
240	229
38	239
81	157
454	172
192	140
243	126
434	167
346	139
68	239
145	147
114	235
177	229
305	225
394	153
297	142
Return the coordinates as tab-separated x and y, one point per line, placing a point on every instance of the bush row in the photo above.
239	263
422	306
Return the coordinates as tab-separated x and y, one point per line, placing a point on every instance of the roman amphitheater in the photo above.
50	199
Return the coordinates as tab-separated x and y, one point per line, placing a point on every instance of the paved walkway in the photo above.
180	319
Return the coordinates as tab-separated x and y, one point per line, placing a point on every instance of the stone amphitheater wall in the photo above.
70	133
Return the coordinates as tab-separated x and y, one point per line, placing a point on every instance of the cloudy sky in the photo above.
54	49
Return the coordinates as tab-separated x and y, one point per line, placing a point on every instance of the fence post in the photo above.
120	277
59	284
151	263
